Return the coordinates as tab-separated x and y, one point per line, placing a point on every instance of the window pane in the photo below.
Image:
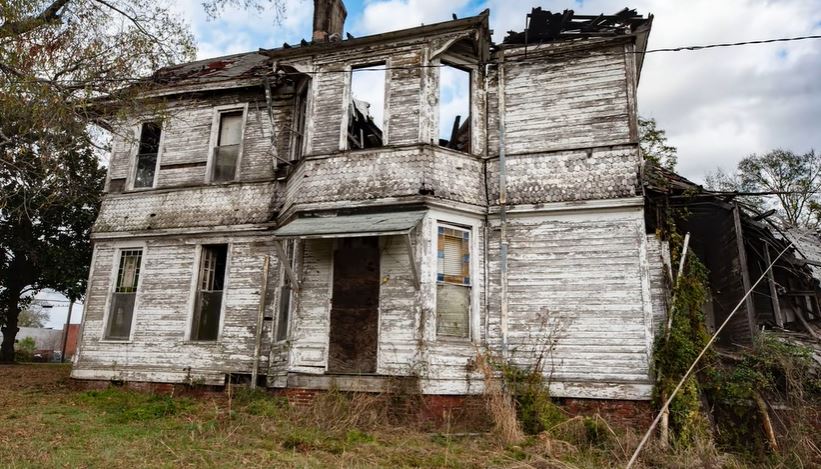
452	310
150	137
129	272
207	320
119	318
367	107
225	163
230	128
453	256
284	312
205	323
454	108
146	167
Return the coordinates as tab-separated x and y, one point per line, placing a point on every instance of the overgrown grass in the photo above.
45	423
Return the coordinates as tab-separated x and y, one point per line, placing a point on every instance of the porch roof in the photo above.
344	226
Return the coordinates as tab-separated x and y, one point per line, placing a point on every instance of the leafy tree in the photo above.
33	315
790	183
654	146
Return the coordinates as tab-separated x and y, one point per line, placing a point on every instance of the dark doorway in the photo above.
355	306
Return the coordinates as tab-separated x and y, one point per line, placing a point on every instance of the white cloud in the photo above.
718	105
382	16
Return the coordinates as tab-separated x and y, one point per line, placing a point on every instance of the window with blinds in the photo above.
453	282
121	312
208	301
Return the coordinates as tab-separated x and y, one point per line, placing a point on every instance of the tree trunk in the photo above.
10	329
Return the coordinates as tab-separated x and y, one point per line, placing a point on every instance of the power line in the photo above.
689	48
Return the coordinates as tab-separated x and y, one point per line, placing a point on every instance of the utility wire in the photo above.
493	62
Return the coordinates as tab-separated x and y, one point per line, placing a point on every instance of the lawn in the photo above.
48	423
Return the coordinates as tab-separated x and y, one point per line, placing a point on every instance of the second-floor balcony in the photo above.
388	174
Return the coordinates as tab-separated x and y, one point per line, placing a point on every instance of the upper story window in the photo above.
366	109
227	145
298	124
121	306
145	172
453	282
454	107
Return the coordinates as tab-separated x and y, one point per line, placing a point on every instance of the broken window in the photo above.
285	290
146	167
210	283
454	107
226	153
121	312
453	283
298	125
367	106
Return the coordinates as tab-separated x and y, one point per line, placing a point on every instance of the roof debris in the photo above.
545	26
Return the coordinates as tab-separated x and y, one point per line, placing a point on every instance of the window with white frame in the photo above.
225	162
209	296
366	109
121	308
453	282
145	169
298	124
285	296
454	107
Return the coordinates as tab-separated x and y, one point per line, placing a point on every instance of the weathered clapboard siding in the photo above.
576	100
575	281
658	258
311	321
158	349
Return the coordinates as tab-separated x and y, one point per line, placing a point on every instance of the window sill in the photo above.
454	340
201	342
116	341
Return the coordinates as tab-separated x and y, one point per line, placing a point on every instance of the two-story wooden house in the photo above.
263	219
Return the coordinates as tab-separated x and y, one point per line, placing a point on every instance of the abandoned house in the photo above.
265	221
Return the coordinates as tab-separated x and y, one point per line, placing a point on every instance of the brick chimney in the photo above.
329	20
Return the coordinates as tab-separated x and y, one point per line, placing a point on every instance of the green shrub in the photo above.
24	350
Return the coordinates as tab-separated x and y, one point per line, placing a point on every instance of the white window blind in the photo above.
453	282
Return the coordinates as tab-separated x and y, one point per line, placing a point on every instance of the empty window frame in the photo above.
298	123
366	109
453	282
145	171
209	296
226	155
121	307
285	296
454	107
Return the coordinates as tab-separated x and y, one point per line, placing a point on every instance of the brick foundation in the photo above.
436	409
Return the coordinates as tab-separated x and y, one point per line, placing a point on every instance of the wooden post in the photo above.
745	273
65	331
263	289
779	318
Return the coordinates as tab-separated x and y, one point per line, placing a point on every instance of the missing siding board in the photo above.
453	282
121	312
355	303
367	107
210	284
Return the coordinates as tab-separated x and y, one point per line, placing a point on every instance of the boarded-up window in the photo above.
453	282
121	310
226	153
208	301
146	167
285	290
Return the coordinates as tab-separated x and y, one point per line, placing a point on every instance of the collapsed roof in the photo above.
545	26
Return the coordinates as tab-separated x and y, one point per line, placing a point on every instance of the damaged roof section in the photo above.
229	67
545	26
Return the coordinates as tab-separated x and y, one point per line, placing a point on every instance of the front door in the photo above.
355	306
